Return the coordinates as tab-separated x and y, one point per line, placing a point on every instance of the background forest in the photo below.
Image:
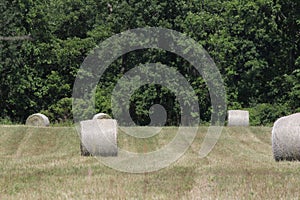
255	44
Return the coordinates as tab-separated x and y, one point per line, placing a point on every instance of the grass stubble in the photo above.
45	163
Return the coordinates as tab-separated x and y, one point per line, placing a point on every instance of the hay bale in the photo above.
99	137
37	119
238	118
286	138
101	116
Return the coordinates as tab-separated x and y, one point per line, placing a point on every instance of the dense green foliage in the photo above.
255	44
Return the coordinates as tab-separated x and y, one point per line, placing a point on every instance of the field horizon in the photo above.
45	163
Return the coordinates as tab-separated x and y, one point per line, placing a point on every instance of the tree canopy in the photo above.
255	45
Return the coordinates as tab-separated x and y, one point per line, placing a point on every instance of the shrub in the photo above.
6	120
266	114
61	112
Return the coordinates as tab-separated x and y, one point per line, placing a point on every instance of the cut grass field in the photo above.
45	163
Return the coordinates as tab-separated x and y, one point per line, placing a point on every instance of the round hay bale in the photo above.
37	119
238	118
286	138
101	116
99	137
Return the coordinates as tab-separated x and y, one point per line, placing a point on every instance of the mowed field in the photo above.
45	163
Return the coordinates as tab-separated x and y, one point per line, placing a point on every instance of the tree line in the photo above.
255	45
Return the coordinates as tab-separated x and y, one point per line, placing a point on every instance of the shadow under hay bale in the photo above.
84	151
286	138
101	116
238	118
37	119
99	137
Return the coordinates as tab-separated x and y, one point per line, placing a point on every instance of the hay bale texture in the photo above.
101	116
99	137
238	118
286	138
37	119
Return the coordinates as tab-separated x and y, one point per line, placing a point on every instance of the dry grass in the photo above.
45	163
